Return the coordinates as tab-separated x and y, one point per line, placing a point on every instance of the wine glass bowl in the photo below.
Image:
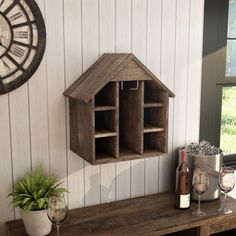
200	184
57	210
226	184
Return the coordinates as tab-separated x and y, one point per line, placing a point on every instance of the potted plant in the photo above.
31	194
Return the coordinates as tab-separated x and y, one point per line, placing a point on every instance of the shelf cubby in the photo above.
105	148
105	99
105	124
153	121
131	118
154	142
153	97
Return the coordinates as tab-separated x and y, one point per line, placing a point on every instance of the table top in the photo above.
149	215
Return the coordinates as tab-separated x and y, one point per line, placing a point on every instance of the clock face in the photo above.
22	42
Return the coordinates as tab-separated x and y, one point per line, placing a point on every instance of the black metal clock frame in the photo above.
39	49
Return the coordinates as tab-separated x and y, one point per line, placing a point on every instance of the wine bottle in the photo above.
182	183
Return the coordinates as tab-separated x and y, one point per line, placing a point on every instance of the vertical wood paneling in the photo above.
167	76
73	68
5	167
181	76
164	34
20	139
39	113
154	24
108	183
107	44
56	86
123	25
154	29
195	70
139	49
107	26
123	44
90	31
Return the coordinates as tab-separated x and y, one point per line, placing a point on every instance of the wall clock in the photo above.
22	42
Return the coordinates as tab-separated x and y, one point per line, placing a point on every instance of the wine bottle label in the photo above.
184	201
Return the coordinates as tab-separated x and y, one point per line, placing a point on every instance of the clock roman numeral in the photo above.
17	51
15	16
21	34
1	2
6	65
14	3
23	24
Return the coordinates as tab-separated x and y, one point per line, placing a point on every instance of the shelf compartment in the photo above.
131	118
154	118
105	148
148	128
154	142
105	123
107	96
153	96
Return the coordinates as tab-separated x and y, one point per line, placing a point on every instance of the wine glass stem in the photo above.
58	230
226	201
199	203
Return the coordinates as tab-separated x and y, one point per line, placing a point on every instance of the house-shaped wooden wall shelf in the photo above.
118	111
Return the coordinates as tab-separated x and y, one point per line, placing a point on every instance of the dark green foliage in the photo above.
32	192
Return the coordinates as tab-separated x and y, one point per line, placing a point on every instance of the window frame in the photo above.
213	72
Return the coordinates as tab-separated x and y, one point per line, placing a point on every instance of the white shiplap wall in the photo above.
166	35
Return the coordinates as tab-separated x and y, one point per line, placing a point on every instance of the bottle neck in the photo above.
183	155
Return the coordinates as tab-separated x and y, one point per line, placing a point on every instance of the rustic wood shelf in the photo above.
148	128
150	215
118	111
150	104
105	108
104	133
104	158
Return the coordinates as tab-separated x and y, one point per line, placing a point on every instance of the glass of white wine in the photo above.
226	184
200	184
57	210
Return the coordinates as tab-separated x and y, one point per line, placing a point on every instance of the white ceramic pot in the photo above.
36	222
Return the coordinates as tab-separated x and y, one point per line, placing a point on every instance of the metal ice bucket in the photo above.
212	164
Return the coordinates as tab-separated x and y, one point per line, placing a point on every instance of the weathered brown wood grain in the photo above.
150	215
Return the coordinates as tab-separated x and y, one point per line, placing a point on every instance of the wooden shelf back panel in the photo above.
152	92
154	117
107	95
105	147
105	120
155	142
131	118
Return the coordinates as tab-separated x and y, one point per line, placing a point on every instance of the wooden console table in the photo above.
150	215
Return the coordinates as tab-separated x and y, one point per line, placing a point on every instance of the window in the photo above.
218	104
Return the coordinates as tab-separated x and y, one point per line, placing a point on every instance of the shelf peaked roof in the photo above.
105	70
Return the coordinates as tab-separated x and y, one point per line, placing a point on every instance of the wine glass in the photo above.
57	210
226	184
200	184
